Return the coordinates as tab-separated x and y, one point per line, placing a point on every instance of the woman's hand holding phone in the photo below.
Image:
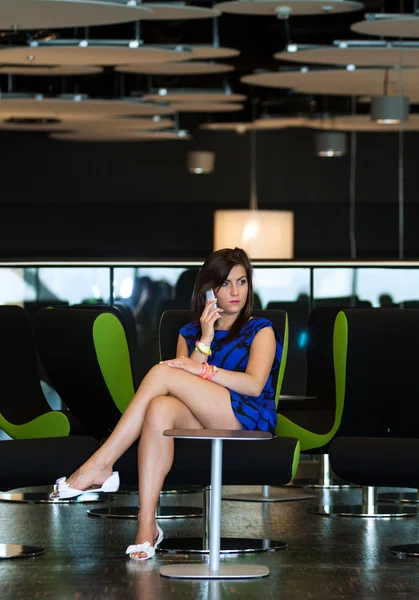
209	315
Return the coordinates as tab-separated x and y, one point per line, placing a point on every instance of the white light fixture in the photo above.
389	109
261	233
200	163
330	144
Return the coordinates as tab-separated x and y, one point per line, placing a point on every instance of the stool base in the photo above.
185	489
18	551
274	496
196	545
318	484
405	550
399	497
43	498
357	510
131	512
231	571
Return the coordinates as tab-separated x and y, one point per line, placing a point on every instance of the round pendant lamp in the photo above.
200	163
390	109
261	233
330	144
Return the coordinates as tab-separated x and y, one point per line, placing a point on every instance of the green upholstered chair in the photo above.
24	411
375	365
314	421
87	355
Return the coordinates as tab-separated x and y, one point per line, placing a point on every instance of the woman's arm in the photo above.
261	358
250	383
182	350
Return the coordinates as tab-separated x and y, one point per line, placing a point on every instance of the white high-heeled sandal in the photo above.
144	548
62	490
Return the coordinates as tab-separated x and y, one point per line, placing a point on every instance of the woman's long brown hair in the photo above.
213	274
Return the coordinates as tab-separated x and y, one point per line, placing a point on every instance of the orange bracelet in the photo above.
204	370
214	371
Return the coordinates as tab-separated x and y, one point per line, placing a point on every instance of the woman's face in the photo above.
232	294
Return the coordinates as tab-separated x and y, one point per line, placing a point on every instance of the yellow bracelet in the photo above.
202	348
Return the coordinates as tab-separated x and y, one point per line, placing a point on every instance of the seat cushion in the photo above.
391	462
26	463
244	463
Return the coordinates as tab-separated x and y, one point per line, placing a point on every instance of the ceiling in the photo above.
257	38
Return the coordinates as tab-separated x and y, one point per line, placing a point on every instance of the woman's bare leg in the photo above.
209	403
155	455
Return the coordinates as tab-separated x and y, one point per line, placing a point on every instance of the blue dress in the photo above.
253	412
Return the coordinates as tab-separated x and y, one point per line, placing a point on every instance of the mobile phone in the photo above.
210	295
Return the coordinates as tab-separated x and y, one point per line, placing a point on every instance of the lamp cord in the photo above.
401	156
352	184
253	191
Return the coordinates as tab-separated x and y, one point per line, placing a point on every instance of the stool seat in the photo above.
218	434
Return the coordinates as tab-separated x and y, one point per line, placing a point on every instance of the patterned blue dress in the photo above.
253	412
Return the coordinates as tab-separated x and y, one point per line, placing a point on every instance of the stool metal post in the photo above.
215	516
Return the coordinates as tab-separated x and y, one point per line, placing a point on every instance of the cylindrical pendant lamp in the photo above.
389	109
330	143
261	233
200	163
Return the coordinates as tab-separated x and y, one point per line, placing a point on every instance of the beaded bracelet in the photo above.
202	348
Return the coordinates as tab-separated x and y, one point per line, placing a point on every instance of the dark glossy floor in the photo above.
326	557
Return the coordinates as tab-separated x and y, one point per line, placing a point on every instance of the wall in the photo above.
137	201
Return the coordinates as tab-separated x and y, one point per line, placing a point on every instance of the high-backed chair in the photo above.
313	420
69	340
34	463
24	411
294	383
378	462
86	355
170	324
375	364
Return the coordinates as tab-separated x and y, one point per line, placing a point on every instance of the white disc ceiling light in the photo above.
363	123
287	8
55	14
178	68
83	110
238	127
342	82
88	55
389	25
205	52
197	96
122	136
176	12
57	71
66	123
356	54
203	107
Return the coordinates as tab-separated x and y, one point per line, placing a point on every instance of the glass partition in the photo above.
147	289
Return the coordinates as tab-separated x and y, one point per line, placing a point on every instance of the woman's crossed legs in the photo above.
167	398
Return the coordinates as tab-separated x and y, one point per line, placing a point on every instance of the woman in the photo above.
222	378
